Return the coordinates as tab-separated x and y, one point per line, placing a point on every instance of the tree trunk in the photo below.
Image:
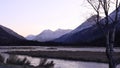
110	37
113	31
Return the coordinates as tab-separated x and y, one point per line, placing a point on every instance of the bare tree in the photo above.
108	26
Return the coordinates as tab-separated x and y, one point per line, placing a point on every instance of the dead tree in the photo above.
108	26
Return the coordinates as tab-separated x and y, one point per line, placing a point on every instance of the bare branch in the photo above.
90	2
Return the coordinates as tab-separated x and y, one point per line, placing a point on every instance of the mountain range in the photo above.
48	35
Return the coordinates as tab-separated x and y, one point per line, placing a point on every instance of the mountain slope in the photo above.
88	23
11	32
85	35
8	35
78	34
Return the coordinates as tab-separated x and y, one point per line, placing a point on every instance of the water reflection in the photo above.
77	64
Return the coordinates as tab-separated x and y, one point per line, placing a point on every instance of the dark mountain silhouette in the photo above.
9	36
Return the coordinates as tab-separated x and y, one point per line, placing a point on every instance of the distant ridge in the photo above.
48	35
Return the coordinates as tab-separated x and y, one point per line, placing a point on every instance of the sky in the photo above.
33	16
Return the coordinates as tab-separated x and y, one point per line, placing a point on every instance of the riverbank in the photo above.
69	55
